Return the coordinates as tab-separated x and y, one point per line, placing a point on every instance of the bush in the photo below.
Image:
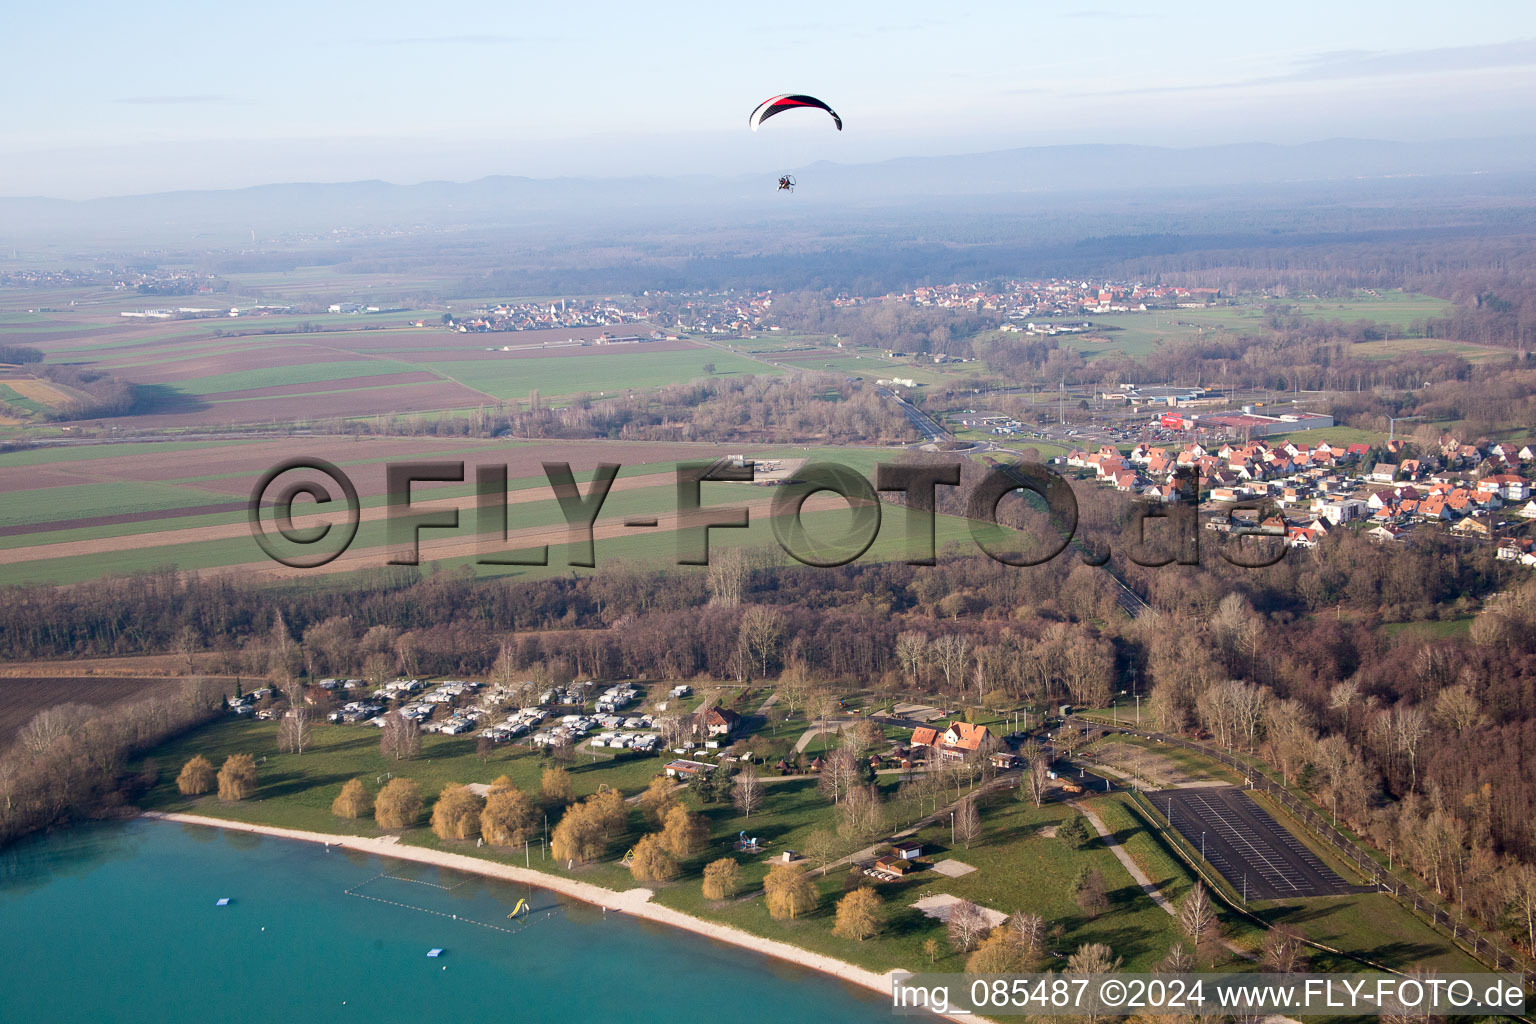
196	777
659	798
237	779
556	785
456	815
579	836
353	801
651	861
859	914
789	892
722	879
509	818
685	834
1073	832
399	804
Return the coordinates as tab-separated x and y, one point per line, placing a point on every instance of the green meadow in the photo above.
514	378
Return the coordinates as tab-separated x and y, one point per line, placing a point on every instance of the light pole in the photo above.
951	828
1202	846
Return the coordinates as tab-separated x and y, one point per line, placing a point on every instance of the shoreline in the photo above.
636	902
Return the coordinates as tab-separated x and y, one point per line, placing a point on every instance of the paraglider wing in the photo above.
778	104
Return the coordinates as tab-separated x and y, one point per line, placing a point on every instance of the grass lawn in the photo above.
1335	435
296	790
1442	629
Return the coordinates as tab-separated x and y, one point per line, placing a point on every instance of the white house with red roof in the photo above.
957	742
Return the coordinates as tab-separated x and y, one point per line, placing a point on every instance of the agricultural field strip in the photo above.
637	495
302	373
43	456
376	510
232	510
236	397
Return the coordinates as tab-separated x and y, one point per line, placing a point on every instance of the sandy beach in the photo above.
636	902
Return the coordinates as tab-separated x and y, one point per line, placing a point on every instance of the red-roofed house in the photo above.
956	743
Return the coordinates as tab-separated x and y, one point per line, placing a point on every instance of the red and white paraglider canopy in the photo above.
778	104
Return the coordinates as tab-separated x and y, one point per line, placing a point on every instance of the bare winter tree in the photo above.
747	791
1037	779
912	654
949	653
1289	735
1197	918
727	579
1520	892
839	774
294	730
1028	931
967	822
861	815
761	630
1457	709
1283	951
1343	698
966	923
400	739
1409	728
50	725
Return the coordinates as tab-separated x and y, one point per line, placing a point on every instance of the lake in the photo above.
119	923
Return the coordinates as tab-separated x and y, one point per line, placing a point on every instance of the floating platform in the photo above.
434	952
224	902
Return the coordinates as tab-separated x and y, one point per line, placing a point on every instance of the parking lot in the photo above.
1248	847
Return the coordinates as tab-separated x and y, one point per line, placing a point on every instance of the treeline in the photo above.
71	761
20	354
106	394
756	409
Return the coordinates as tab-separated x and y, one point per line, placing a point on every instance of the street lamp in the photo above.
1202	846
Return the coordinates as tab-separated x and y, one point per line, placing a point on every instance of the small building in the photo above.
685	769
894	865
907	849
721	721
1005	760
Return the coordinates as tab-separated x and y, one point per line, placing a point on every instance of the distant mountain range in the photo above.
1055	171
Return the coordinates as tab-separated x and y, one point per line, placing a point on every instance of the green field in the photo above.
570	375
1394	308
19	403
304	373
104	498
1397	348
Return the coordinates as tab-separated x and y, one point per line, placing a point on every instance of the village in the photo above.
1480	491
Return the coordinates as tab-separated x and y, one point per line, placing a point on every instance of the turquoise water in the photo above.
118	923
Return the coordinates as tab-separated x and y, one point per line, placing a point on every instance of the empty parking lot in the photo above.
1249	848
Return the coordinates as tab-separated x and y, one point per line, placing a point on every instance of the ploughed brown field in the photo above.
428	397
22	698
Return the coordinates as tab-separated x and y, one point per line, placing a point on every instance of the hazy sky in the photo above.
117	98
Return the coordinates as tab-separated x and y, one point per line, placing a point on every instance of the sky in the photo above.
114	99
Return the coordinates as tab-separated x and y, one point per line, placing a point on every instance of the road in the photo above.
931	429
